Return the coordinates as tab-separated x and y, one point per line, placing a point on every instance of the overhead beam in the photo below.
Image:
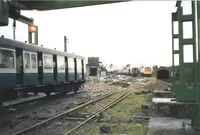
25	20
54	4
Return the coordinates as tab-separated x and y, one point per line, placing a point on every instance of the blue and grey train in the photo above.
31	68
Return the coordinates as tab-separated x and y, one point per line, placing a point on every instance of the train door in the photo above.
75	68
66	69
55	71
19	66
40	68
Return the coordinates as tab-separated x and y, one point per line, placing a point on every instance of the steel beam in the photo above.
54	4
183	93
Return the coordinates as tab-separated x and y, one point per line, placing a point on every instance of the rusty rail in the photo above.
123	96
62	114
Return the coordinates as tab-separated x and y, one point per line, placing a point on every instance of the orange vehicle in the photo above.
147	72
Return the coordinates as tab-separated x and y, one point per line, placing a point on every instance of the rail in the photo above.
99	111
62	114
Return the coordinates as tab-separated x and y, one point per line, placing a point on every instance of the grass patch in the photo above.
128	107
123	110
116	129
129	129
150	78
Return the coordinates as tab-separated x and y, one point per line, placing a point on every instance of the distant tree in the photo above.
111	66
101	64
128	65
142	66
155	67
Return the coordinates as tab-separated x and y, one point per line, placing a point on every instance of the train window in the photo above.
48	62
71	64
6	59
79	65
148	69
60	63
33	61
27	62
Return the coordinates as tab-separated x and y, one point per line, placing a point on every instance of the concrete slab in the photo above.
170	126
170	101
24	99
30	97
161	92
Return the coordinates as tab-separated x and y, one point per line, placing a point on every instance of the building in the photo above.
103	71
93	67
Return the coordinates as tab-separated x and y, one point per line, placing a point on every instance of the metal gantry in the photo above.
186	74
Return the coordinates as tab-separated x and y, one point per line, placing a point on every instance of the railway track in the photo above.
96	115
65	125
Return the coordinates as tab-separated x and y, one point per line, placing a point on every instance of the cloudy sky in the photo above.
136	32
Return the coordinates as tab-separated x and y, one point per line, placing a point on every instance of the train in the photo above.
147	71
135	72
130	72
31	68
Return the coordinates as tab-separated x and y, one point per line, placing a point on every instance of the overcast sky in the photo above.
122	33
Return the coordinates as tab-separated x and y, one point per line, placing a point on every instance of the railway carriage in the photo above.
30	68
147	72
134	72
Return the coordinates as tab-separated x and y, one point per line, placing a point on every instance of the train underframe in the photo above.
147	75
11	94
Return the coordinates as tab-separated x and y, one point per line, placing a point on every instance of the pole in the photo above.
29	35
1	113
196	114
36	36
14	28
65	43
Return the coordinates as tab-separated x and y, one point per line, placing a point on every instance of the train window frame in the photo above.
36	62
50	70
30	70
24	54
147	69
61	70
79	67
9	70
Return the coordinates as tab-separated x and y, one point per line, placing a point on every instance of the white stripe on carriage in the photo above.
7	71
30	70
61	71
48	70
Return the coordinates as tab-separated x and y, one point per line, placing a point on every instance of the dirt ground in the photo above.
130	116
27	115
159	84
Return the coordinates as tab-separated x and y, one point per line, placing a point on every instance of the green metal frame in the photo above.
180	82
184	74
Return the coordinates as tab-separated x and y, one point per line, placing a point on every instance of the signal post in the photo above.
32	29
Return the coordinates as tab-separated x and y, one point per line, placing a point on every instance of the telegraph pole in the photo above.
65	43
